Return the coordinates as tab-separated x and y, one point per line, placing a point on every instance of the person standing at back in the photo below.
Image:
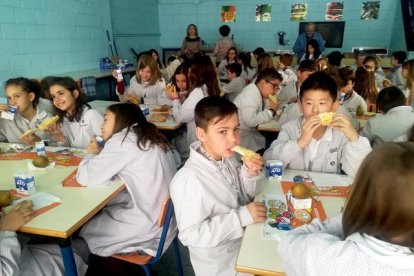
300	45
192	43
223	44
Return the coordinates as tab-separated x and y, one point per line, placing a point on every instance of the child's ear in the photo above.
201	134
335	106
76	93
32	96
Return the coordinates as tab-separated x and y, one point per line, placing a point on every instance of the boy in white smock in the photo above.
213	193
306	144
396	119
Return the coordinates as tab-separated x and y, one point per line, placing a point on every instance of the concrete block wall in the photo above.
44	37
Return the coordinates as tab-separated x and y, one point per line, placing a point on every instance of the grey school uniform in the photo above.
11	130
386	128
233	88
251	114
335	152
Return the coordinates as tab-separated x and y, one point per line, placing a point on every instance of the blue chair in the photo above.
147	261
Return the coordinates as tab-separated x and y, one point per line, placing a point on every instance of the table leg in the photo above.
68	258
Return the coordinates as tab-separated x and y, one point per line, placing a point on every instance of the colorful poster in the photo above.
370	10
299	12
228	13
263	12
334	10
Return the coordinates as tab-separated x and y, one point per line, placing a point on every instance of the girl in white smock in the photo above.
202	83
374	235
136	152
147	84
77	121
23	94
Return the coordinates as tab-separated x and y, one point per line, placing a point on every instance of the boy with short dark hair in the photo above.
396	121
307	144
236	84
213	193
252	111
395	73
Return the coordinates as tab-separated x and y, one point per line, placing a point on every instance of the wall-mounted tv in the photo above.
407	9
332	32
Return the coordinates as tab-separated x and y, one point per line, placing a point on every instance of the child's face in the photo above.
370	65
145	73
62	98
393	61
220	137
230	75
181	81
404	72
232	55
268	88
108	125
317	101
347	87
311	50
17	97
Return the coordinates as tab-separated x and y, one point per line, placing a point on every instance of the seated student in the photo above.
374	235
31	259
350	99
396	121
172	64
335	59
251	107
213	193
231	57
136	152
305	144
236	84
359	59
248	71
371	64
288	91
395	73
365	86
312	51
24	94
77	121
147	84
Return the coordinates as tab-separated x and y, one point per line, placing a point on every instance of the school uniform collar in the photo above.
403	108
40	116
393	254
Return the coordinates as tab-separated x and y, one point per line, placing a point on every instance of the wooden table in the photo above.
170	124
77	206
259	255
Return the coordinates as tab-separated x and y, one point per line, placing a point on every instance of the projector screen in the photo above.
332	32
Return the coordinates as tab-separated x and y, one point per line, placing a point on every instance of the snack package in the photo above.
9	114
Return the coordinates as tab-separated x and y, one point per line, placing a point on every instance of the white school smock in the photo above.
251	114
233	88
129	222
78	134
150	93
248	73
319	249
386	128
331	157
209	216
184	113
353	102
11	130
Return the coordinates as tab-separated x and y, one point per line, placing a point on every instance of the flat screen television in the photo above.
332	32
407	9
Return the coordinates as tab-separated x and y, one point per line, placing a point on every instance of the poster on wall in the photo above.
334	10
228	13
370	10
263	12
299	12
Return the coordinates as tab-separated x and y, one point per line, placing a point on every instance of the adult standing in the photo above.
192	43
300	45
